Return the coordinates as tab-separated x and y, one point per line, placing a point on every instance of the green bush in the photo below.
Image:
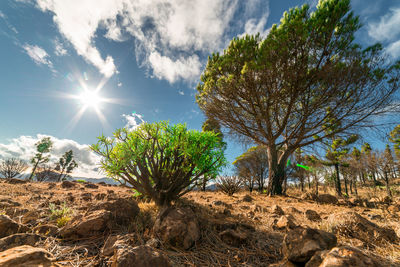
159	160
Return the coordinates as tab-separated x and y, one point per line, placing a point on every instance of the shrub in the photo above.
60	214
229	184
160	161
12	167
80	181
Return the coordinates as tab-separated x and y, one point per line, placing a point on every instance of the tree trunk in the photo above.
33	171
362	178
302	183
345	185
374	178
276	178
351	185
316	184
338	187
309	182
285	186
389	193
355	187
203	188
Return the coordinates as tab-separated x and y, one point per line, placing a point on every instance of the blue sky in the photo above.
145	56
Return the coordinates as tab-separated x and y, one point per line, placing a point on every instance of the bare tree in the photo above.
46	173
276	91
12	167
229	184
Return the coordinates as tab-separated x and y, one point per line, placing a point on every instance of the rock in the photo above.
100	196
284	263
16	240
285	222
227	212
247	198
46	229
258	208
233	237
67	184
308	196
92	186
353	225
327	199
275	209
108	247
102	183
300	244
51	185
292	210
218	203
25	256
177	227
122	209
344	256
153	242
15	181
312	215
86	196
84	226
30	216
141	256
9	226
6	203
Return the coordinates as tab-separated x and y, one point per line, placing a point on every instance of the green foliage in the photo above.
66	165
159	160
395	139
60	214
80	181
42	147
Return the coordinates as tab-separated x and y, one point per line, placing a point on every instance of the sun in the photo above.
90	98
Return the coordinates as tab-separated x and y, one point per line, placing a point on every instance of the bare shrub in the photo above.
12	167
229	184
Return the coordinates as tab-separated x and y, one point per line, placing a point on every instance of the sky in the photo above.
144	59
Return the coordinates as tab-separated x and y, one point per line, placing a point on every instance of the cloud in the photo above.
169	35
181	92
133	120
119	84
59	49
387	29
24	148
394	49
38	55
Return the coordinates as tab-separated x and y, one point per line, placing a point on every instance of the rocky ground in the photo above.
85	224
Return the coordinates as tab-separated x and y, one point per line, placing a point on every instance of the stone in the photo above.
30	216
141	256
275	209
108	247
300	244
284	263
86	196
308	196
9	226
123	210
46	229
92	186
15	181
6	203
177	227
153	242
67	184
343	256
285	222
292	210
312	215
84	226
327	199
218	203
233	237
16	240
247	198
25	256
258	208
100	196
351	224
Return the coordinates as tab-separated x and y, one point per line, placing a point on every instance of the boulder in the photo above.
46	229
141	256
84	226
113	242
285	222
275	209
308	196
9	226
292	210
300	244
92	186
86	196
122	209
343	256
312	215
247	198
233	237
25	256
326	199
67	184
351	224
177	227
16	240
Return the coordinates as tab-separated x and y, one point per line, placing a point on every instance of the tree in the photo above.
395	139
160	161
252	166
42	147
213	126
66	165
12	167
275	91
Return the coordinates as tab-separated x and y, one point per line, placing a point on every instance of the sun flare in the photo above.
90	98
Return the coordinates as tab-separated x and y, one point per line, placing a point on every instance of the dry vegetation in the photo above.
215	211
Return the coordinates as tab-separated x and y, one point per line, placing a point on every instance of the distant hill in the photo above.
96	180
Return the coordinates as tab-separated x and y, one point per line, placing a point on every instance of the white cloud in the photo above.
59	49
38	55
394	49
387	29
24	148
181	92
169	34
119	84
133	120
